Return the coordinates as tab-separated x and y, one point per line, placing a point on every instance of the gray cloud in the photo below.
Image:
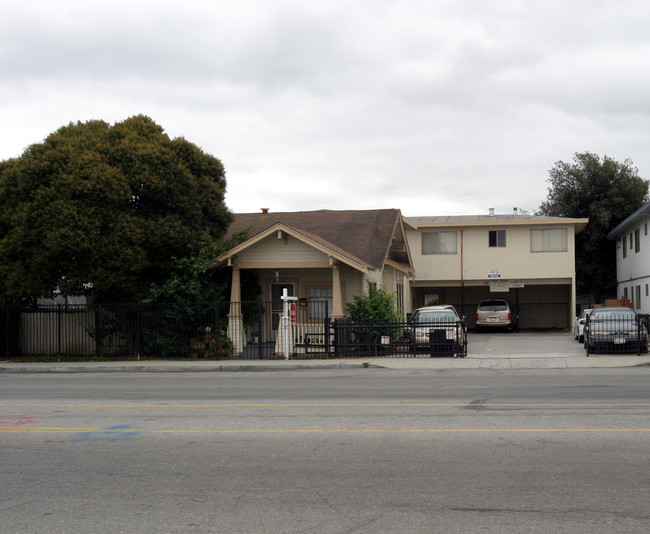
431	107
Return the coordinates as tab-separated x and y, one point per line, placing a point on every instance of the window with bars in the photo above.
320	302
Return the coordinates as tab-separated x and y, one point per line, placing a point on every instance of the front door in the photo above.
277	304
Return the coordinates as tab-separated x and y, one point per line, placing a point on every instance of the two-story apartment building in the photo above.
633	259
530	260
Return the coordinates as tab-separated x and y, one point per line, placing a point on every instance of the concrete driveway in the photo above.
524	344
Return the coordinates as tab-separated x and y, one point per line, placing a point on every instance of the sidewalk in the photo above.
521	350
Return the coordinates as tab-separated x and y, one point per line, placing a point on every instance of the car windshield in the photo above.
493	305
436	317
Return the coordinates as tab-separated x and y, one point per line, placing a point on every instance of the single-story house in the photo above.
325	255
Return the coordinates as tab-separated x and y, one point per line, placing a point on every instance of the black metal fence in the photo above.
353	339
223	330
616	332
219	330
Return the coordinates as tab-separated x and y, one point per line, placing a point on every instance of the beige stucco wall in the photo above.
548	295
515	260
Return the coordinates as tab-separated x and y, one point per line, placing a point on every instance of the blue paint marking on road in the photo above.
112	433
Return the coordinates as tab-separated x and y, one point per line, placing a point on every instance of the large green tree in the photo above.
105	208
607	192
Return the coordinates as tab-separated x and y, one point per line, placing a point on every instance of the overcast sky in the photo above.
433	107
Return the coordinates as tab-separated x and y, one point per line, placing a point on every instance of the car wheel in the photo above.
581	339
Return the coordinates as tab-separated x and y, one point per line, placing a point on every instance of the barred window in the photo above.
320	302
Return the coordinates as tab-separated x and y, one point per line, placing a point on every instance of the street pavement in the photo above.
520	350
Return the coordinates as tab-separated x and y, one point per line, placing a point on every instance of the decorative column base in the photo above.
279	341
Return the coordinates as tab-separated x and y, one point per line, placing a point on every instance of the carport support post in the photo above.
517	307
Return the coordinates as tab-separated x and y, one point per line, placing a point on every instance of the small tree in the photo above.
377	306
377	311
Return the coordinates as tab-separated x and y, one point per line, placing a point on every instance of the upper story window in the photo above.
637	240
439	243
548	240
625	246
497	238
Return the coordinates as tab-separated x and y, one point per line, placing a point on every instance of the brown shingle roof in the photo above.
365	234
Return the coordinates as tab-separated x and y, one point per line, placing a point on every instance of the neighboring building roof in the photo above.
368	237
488	220
632	220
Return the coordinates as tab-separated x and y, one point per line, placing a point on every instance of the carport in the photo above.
541	305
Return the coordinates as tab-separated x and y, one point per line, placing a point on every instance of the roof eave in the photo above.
353	262
629	221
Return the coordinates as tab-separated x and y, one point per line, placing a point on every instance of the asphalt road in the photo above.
349	450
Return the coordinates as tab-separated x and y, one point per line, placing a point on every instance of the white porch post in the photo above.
337	292
235	318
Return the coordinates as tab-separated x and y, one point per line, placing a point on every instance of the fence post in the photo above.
326	330
337	341
138	330
6	314
260	335
58	334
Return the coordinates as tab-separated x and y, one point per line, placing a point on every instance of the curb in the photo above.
438	364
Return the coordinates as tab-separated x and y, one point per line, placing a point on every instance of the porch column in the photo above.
235	288
337	292
235	318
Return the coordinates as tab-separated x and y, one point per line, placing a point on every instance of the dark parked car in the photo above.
615	330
